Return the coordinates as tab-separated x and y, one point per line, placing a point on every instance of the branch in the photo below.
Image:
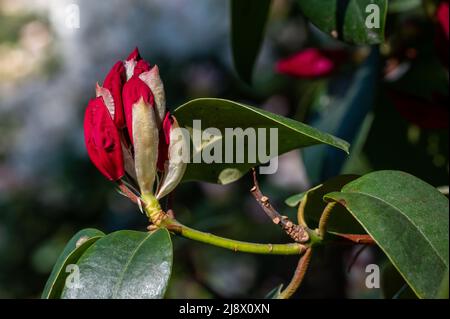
235	245
351	239
296	232
299	274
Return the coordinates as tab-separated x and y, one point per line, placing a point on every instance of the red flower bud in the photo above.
309	63
133	91
102	140
164	141
114	82
135	55
141	67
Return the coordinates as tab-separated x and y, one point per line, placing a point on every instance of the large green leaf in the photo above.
124	264
408	219
248	21
341	221
346	19
221	114
76	246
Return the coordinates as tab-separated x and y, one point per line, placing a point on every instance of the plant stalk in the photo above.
234	245
299	274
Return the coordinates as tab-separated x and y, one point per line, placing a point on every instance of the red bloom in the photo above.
442	32
427	114
164	141
102	140
442	15
133	91
309	63
114	82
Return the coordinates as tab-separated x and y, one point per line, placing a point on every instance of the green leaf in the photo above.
248	21
221	114
124	264
74	249
341	221
341	110
274	293
393	284
408	219
346	19
397	6
294	200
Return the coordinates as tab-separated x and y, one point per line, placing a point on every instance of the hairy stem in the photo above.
299	274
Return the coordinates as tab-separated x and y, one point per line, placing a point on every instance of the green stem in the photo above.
235	245
324	219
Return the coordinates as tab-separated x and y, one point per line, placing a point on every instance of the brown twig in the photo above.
296	232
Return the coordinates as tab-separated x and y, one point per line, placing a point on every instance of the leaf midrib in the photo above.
133	254
407	218
340	143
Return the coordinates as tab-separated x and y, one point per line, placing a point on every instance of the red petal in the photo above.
421	112
442	32
102	140
309	63
141	67
133	91
164	141
442	15
114	82
135	55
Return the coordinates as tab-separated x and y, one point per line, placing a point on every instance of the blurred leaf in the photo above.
248	21
274	293
346	19
294	200
341	221
74	249
408	219
348	100
124	264
222	114
396	6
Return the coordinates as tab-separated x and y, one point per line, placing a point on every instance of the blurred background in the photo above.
389	101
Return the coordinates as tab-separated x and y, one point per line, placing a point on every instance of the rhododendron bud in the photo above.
141	67
309	63
111	92
145	137
134	90
131	62
154	82
175	165
102	140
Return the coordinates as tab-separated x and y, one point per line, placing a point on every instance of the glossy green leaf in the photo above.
408	219
346	19
222	114
125	264
248	21
74	249
341	221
